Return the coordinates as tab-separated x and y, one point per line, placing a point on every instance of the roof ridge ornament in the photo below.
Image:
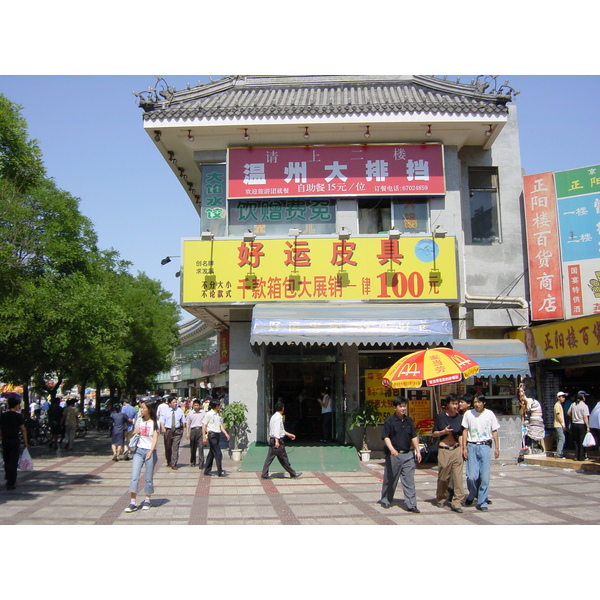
153	95
497	90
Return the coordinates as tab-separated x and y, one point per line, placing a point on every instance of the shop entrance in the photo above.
298	384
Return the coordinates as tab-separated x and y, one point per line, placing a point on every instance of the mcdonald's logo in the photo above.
409	369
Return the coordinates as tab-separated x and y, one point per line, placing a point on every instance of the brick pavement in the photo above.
85	487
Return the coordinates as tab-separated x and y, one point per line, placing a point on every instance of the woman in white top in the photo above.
145	453
580	424
326	414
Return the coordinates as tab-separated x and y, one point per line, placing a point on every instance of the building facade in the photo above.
347	221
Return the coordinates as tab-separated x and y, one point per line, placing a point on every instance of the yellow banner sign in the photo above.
564	338
410	269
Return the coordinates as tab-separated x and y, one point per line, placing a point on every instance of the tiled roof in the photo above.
313	95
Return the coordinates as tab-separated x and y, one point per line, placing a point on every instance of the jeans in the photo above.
479	462
560	441
139	459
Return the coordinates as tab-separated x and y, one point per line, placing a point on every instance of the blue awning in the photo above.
351	323
496	357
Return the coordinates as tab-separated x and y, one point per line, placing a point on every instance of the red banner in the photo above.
541	222
318	171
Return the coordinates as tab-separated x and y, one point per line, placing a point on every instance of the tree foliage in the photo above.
69	310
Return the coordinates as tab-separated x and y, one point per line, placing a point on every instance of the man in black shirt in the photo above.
448	427
11	424
401	447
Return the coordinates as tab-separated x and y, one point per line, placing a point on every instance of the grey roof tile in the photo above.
317	95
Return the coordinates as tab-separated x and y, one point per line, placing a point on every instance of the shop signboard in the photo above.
304	269
564	338
578	201
545	280
320	171
377	393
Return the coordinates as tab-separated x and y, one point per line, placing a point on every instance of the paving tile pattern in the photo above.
85	487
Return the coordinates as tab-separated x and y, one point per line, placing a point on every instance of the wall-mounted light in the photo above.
489	131
294	232
207	236
246	136
172	156
439	232
157	135
344	234
394	234
367	132
306	134
190	136
428	132
249	237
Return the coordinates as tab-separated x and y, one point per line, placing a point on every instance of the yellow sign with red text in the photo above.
305	269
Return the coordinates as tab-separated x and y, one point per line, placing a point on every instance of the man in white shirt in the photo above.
212	426
480	428
276	445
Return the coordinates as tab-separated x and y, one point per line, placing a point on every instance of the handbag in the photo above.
589	440
25	462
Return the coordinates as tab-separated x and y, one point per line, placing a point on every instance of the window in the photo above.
276	217
374	215
483	203
410	215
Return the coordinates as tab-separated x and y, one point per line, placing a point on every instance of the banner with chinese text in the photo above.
564	338
358	170
578	202
541	224
410	269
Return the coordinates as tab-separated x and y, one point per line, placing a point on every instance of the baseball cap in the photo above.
582	393
561	394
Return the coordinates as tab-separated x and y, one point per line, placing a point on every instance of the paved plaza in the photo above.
85	487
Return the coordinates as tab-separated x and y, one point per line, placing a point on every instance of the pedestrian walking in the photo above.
480	430
130	412
193	429
448	428
559	424
146	426
212	426
172	424
119	427
12	424
580	424
401	451
277	449
70	420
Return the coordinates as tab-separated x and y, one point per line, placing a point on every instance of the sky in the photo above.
94	146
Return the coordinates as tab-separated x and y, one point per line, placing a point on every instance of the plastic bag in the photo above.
134	441
589	440
25	462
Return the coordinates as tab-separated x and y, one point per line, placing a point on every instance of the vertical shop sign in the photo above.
541	223
213	199
224	347
578	205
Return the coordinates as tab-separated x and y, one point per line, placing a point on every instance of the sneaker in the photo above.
146	505
131	508
482	508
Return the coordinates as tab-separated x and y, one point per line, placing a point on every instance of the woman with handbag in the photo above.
145	437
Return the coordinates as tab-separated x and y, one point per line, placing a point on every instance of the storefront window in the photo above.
276	217
411	215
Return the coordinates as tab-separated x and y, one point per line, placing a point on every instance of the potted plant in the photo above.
366	415
234	417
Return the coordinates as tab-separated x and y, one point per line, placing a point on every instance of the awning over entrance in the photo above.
496	357
351	323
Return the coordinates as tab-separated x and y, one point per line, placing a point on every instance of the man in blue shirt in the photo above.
172	422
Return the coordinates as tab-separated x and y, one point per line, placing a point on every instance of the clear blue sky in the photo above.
94	146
